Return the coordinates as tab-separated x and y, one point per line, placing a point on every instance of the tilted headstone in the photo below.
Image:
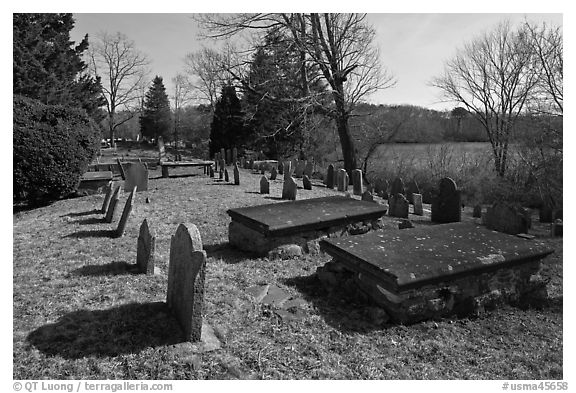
280	168
107	197
136	176
273	173
186	275
308	169
264	185
367	196
330	176
503	217
121	169
145	250
226	177
125	214
412	188
289	188
228	157
236	175
398	205
397	187
234	155
446	206
357	186
112	205
477	212
299	171
306	184
417	202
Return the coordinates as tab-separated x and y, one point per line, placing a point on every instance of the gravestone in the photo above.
211	172
330	176
306	184
412	188
136	176
367	196
446	205
243	162
299	171
186	275
125	214
340	181
417	202
107	197
280	168
228	157
264	185
308	169
345	181
236	175
503	217
289	188
222	163
121	168
358	187
398	206
161	150
234	155
477	212
273	173
397	187
112	206
145	250
288	169
226	177
262	169
221	174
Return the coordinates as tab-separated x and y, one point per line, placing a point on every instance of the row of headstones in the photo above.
225	157
186	274
223	174
108	208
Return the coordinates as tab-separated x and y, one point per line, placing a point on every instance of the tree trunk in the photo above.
346	141
111	127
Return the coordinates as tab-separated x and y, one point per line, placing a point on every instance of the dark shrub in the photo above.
53	146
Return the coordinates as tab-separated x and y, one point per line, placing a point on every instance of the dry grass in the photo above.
80	314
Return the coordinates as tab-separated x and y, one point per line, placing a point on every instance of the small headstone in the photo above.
107	197
397	187
340	182
273	173
125	214
417	202
503	217
477	212
186	274
330	176
308	169
145	250
398	206
264	185
289	188
357	185
306	184
412	188
236	175
136	176
234	155
446	206
226	177
280	168
112	205
367	196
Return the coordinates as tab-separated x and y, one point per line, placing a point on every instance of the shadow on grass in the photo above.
126	329
91	221
111	233
109	269
274	198
80	214
227	253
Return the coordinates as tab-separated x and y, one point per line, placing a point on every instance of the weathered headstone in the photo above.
412	188
136	176
234	155
308	169
299	171
236	175
273	173
226	177
186	275
306	184
367	196
446	206
264	185
477	212
125	214
417	202
345	181
112	205
398	206
330	176
397	187
145	250
340	180
280	168
289	188
357	186
107	196
503	217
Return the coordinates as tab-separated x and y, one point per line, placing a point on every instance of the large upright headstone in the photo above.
186	275
357	185
340	182
306	183
112	206
236	175
397	187
398	205
330	176
264	185
289	188
125	214
308	169
412	188
446	205
107	197
417	203
136	176
273	173
145	250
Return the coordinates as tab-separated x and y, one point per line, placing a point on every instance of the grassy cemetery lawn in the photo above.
81	313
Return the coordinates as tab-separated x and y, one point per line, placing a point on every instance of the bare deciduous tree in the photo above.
123	71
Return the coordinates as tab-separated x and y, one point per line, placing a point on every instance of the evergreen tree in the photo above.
156	119
48	67
227	128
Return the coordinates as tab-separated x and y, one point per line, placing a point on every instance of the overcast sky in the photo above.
413	47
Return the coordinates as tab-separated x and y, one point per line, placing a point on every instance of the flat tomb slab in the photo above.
289	218
407	259
96	176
